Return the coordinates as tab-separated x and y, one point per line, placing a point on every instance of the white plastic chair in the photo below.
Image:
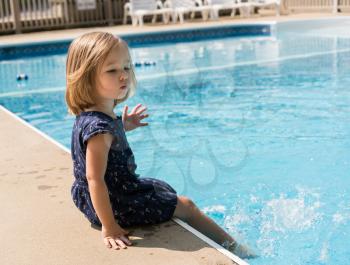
268	3
137	9
181	7
217	5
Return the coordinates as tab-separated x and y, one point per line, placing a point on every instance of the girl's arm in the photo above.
96	163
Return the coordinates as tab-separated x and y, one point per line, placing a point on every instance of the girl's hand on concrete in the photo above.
115	237
133	120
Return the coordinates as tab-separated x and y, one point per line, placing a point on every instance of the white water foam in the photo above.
215	209
324	252
290	214
284	215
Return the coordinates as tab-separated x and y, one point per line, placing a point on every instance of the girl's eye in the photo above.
114	70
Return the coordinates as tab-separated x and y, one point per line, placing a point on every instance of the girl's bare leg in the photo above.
187	211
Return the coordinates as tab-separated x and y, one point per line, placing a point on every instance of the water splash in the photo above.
290	214
216	211
324	252
283	215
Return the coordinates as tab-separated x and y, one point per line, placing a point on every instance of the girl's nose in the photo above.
124	76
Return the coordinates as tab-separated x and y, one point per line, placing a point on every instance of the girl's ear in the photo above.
95	80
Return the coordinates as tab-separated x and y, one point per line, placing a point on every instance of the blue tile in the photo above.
137	40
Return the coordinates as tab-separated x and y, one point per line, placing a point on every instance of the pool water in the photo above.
255	130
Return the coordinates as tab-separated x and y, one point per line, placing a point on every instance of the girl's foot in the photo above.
240	250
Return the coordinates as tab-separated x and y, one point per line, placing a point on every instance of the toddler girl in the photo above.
99	76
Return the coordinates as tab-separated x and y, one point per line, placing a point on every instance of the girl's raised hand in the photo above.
115	237
133	120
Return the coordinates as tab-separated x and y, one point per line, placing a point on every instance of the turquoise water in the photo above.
255	130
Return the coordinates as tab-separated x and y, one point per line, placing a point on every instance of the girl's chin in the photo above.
122	90
121	95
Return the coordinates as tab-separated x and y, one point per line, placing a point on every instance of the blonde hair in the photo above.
86	55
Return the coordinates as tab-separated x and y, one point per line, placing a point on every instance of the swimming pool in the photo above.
255	130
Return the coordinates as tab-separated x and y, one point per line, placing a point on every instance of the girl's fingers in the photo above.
126	240
106	241
136	107
143	116
120	243
141	110
143	123
113	243
125	111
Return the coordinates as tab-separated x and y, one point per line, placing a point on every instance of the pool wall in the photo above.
8	52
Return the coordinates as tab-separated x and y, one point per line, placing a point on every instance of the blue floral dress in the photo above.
135	200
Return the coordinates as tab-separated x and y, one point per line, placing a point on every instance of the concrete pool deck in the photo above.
40	224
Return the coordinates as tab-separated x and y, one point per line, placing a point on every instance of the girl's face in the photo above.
113	78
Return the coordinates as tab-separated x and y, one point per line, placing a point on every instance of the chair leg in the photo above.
126	12
140	19
166	18
134	20
125	18
233	12
245	11
193	13
205	15
174	16
154	19
181	17
214	14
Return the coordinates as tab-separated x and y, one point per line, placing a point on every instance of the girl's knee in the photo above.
185	207
187	202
